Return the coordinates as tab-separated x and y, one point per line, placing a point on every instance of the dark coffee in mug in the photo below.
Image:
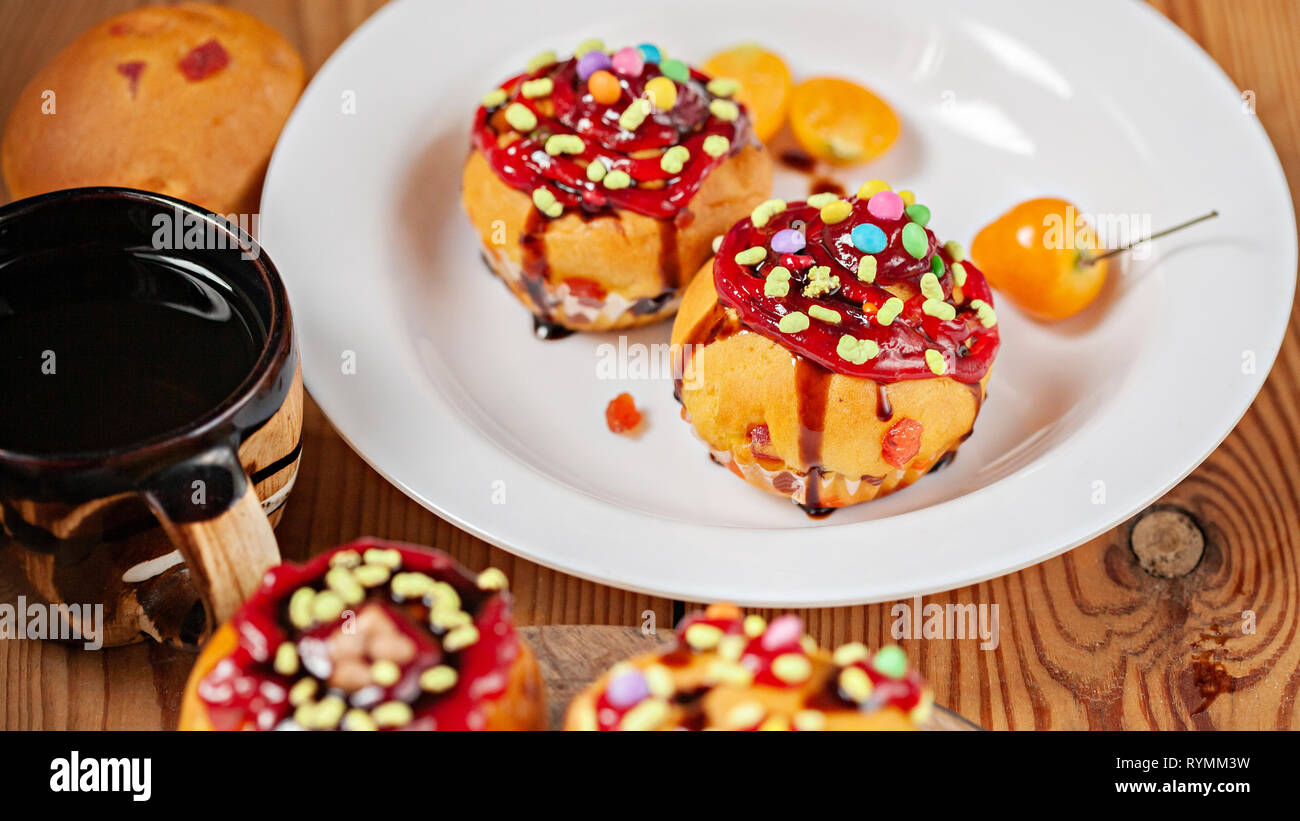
107	347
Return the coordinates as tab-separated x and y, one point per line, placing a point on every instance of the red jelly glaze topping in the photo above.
902	442
968	348
523	164
132	71
621	414
244	689
204	60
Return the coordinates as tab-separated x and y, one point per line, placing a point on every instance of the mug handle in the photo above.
210	511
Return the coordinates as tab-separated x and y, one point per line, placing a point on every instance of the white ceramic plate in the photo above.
1087	421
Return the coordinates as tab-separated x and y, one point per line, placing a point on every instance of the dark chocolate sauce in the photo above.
798	160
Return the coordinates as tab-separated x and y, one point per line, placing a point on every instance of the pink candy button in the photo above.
885	205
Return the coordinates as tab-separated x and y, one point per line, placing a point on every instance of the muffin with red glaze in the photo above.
370	635
835	350
598	182
735	672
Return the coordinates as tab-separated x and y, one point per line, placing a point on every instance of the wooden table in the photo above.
1088	640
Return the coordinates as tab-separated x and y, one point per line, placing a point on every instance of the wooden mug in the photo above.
126	528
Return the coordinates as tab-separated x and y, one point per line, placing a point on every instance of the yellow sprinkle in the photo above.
810	721
752	256
617	180
731	647
392	714
345	558
745	714
723	86
634	115
701	636
724	110
388	558
824	314
590	44
557	144
715	145
856	684
300	607
521	117
808	643
460	638
872	187
541	87
438	679
302	691
930	286
448	619
544	59
837	211
411	585
856	350
793	323
359	721
494	98
956	251
821	200
984	311
647	715
889	311
342	581
660	681
286	659
908	198
326	607
492	579
921	712
764	211
371	575
717	243
959	273
938	309
936	362
792	668
327	713
596	170
674	159
445	597
385	673
867	269
775	723
754	626
820	281
730	673
847	654
777	283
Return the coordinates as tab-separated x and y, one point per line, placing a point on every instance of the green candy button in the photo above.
890	661
918	214
675	70
915	240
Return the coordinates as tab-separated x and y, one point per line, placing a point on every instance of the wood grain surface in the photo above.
1088	640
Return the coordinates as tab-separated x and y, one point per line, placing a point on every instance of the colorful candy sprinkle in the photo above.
521	117
777	283
788	241
872	187
627	689
985	313
836	212
616	180
589	45
783	632
855	684
545	201
628	62
634	115
956	251
764	211
604	87
793	323
541	87
650	52
930	286
885	205
919	214
891	661
596	170
908	197
494	98
867	269
723	86
675	70
889	311
558	144
936	362
915	240
959	274
662	93
821	200
715	145
724	110
938	309
820	281
936	265
868	239
752	256
856	350
591	62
